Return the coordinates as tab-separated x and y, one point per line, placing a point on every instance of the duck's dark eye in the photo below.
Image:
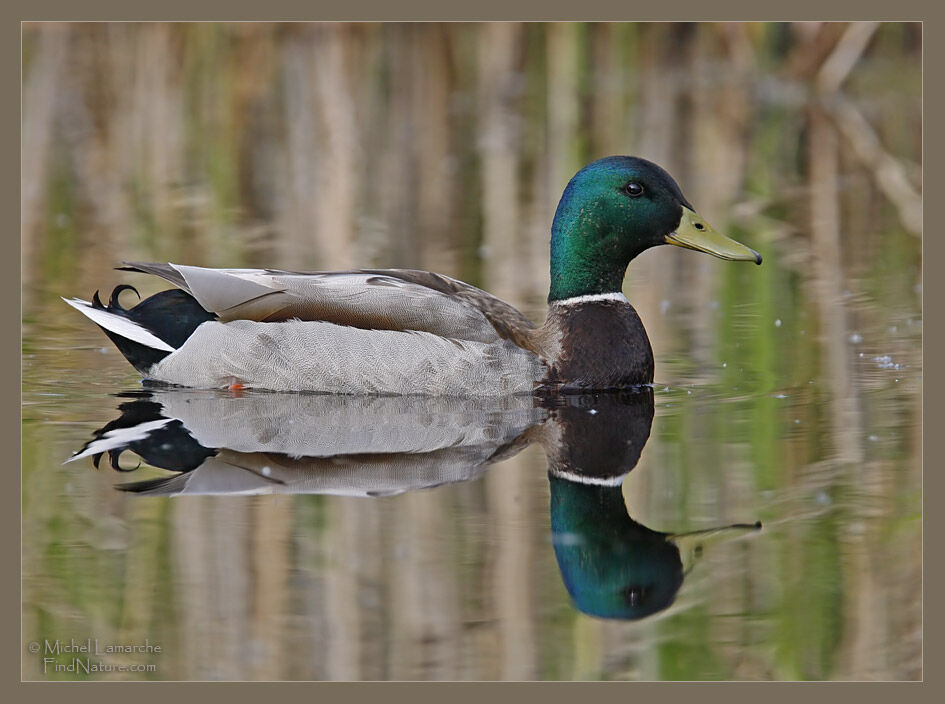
633	189
698	225
634	594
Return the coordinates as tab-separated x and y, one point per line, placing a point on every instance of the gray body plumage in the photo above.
323	425
329	358
326	444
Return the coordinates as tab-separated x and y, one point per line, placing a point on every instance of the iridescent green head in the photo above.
614	209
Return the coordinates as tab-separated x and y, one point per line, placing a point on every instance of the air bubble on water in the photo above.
266	471
777	323
856	338
884	362
593	411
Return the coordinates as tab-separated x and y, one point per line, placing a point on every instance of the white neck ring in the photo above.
593	298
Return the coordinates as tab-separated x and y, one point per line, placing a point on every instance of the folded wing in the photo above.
373	299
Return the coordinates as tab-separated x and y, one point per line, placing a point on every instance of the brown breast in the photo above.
596	345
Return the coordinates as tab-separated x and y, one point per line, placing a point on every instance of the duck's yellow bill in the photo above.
695	233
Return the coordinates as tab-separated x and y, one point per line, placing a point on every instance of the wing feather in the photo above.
374	299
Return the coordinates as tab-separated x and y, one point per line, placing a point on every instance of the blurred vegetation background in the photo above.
446	147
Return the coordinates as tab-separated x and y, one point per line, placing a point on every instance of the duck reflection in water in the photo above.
217	443
612	566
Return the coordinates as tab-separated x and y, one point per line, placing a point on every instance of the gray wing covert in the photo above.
382	299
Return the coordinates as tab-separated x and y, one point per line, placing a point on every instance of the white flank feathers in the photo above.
119	325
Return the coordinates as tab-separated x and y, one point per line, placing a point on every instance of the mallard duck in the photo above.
400	331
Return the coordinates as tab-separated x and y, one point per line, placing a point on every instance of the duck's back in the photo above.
371	299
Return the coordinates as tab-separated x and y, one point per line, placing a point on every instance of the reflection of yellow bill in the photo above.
695	233
692	544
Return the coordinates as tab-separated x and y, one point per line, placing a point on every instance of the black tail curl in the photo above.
113	305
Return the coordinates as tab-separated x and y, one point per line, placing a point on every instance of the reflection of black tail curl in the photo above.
169	446
171	315
114	461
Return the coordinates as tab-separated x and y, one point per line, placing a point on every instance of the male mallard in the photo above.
401	331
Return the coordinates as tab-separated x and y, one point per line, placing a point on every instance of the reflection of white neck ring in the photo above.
586	479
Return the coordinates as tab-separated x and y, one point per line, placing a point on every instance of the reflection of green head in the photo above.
612	566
